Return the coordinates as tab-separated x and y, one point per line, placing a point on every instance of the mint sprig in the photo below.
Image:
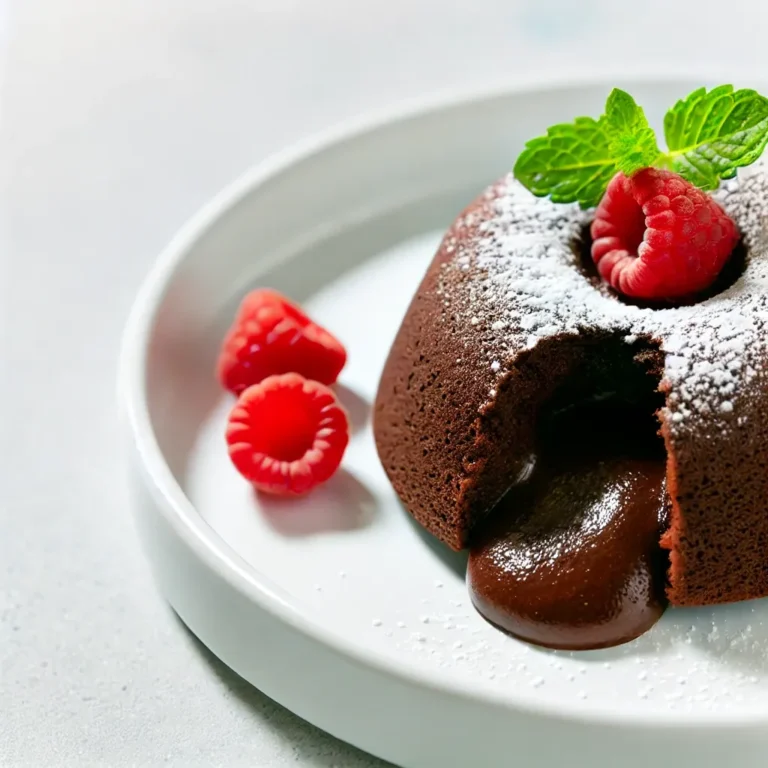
575	161
709	135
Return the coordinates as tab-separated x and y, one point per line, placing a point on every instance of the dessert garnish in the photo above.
271	335
287	434
656	235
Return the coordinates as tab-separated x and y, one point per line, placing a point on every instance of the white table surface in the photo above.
119	118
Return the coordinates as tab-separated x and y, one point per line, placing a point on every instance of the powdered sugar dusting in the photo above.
525	286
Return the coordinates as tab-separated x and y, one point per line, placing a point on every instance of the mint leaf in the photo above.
572	163
631	139
711	134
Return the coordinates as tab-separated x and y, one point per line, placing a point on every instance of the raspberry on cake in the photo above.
657	237
508	341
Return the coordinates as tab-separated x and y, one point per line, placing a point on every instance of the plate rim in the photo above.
208	546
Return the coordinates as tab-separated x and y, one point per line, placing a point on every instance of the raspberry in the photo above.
287	434
271	335
657	237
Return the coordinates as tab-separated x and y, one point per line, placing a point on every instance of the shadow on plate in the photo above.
358	408
342	504
456	562
177	426
310	744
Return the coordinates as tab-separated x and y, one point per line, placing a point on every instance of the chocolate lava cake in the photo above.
511	328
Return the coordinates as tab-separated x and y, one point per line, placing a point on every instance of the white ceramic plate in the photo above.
338	606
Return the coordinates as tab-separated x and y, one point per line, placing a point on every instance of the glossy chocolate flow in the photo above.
572	559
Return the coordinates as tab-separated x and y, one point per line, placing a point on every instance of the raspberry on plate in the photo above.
271	335
657	237
287	434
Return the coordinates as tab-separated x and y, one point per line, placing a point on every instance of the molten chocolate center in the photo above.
572	559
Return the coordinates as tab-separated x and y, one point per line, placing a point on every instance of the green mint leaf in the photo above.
572	163
632	141
711	134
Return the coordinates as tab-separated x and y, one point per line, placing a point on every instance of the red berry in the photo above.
655	236
287	434
271	335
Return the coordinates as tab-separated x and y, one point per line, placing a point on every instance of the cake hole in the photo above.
615	389
734	268
594	430
588	520
571	556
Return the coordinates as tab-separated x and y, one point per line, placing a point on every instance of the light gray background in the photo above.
119	119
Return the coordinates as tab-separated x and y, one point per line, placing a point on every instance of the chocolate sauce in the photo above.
572	559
